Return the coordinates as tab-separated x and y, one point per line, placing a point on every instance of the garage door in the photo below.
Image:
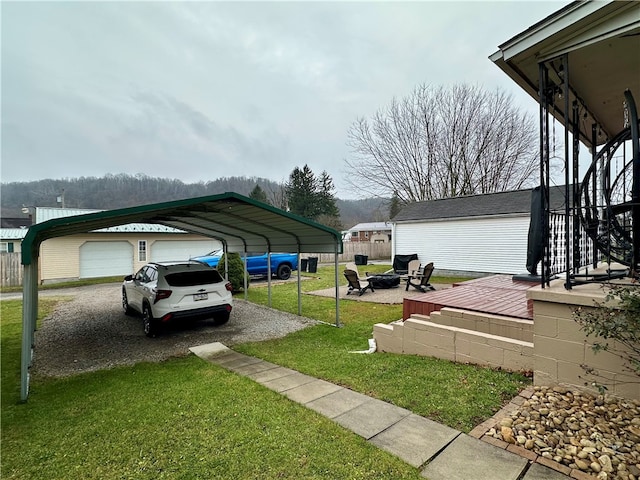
170	250
106	259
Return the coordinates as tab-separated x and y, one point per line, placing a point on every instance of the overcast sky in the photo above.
202	90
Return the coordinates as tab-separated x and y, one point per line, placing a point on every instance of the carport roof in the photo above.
241	222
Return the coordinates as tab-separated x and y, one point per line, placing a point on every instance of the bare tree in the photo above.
443	142
277	196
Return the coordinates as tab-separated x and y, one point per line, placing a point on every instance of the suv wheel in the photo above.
221	318
125	303
284	272
149	324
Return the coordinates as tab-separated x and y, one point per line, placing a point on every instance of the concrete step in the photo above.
510	327
418	335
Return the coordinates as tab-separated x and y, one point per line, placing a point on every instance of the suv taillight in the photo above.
228	286
162	294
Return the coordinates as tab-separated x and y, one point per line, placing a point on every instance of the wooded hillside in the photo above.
122	190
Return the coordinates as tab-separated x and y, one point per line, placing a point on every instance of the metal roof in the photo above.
140	228
241	222
602	41
370	226
514	202
42	214
48	213
12	233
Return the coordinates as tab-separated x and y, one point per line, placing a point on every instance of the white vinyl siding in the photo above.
181	250
486	244
106	259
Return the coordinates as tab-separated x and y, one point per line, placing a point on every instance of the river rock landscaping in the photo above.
598	435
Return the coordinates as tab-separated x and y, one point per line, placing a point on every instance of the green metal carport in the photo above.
240	223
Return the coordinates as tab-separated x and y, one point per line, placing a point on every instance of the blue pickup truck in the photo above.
282	264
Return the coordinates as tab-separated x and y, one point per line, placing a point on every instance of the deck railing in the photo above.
568	253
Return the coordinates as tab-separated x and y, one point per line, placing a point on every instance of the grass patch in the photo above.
457	395
183	418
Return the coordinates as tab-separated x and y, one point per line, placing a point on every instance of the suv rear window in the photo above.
188	279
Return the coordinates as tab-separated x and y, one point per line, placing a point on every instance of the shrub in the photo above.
618	319
236	271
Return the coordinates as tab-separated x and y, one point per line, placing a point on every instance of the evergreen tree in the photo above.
301	190
395	205
258	194
326	197
313	198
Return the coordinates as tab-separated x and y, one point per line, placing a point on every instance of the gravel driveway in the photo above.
91	332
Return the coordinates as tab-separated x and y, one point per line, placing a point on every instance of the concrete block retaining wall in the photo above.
553	346
441	336
561	348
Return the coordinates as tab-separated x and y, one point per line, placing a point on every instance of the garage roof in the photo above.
512	202
602	41
241	222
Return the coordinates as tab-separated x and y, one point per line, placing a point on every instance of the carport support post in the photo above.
335	263
299	284
245	273
29	317
269	277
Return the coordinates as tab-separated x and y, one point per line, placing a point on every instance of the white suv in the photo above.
163	292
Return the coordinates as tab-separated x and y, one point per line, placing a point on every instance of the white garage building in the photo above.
472	235
113	251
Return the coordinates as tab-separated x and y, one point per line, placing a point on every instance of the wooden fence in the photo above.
10	269
375	251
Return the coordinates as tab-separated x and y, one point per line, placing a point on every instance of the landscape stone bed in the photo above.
576	433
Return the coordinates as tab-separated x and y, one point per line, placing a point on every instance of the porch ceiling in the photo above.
602	41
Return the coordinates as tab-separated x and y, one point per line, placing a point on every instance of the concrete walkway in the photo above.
441	453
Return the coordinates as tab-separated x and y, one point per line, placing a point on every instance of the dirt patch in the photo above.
394	295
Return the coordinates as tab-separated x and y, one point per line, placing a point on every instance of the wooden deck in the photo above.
497	295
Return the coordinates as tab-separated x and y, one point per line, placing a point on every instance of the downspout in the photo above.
393	240
372	347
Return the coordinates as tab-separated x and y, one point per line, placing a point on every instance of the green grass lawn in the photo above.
457	395
186	418
179	419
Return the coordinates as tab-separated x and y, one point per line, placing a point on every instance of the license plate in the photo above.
200	296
